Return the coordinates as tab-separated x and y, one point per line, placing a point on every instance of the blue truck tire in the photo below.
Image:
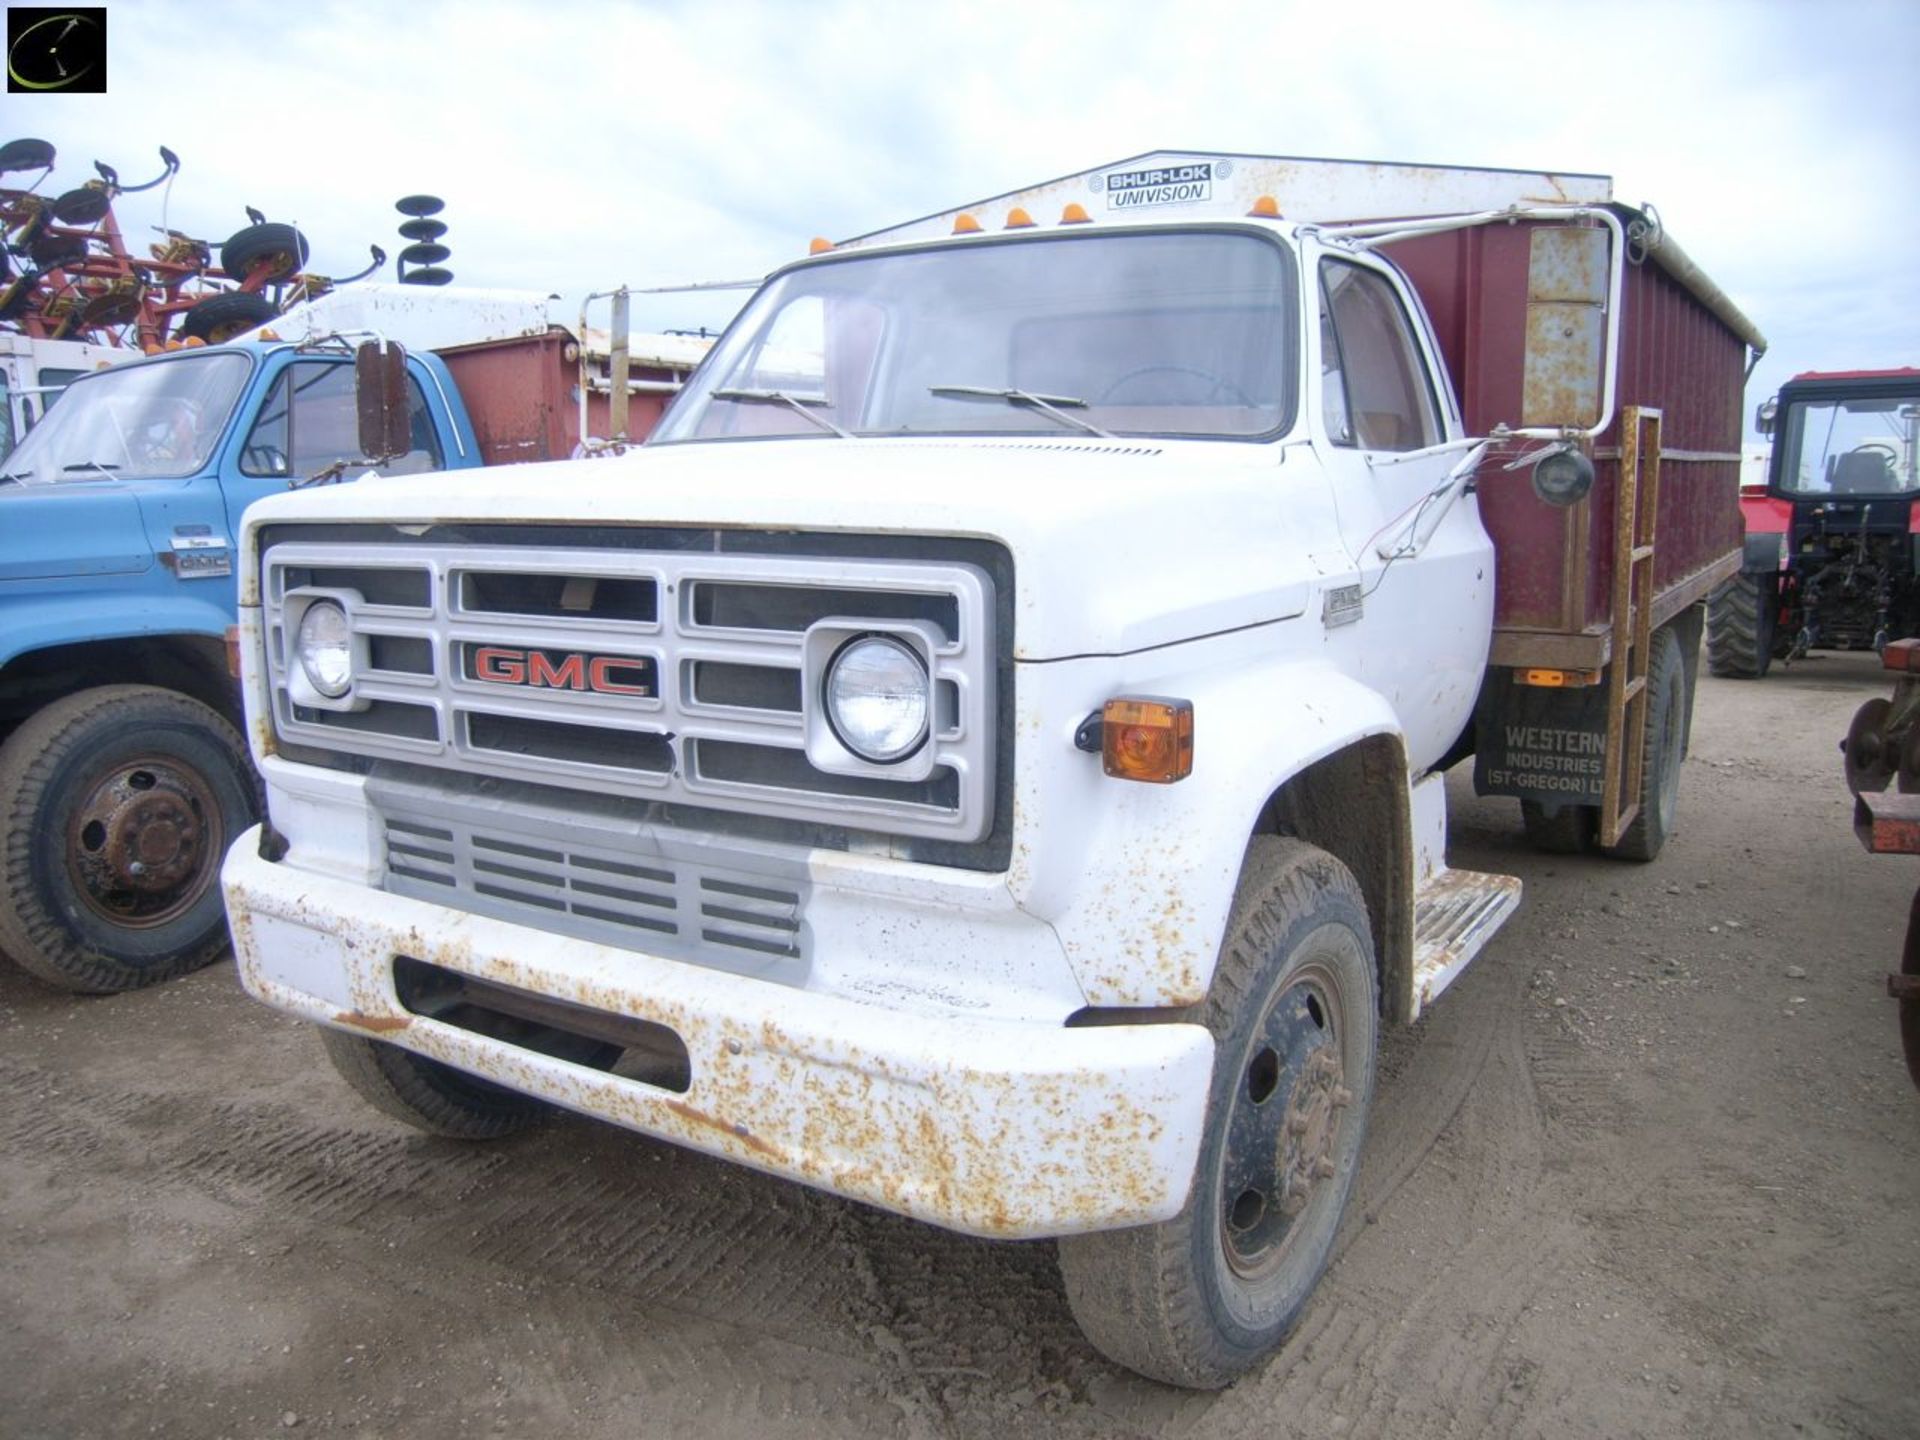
119	803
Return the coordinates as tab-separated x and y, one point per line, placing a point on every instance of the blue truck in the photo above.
123	775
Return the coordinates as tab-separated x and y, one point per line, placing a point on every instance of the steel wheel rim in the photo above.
1288	1120
144	842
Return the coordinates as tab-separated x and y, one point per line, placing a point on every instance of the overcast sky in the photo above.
580	145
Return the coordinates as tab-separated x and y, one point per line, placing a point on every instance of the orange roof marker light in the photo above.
819	245
1075	214
1147	738
1265	207
965	224
1019	219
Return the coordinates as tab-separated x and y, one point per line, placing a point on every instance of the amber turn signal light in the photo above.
1557	679
965	224
1147	739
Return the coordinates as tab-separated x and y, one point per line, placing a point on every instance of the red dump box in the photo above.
1683	358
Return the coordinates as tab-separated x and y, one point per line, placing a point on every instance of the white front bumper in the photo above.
996	1127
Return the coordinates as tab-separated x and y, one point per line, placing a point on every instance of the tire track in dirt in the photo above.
1423	1339
739	1300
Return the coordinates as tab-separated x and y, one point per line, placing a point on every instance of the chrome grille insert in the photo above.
680	677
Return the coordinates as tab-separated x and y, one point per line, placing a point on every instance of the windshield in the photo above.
133	422
1851	446
1187	333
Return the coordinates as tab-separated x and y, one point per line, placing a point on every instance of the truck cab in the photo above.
119	517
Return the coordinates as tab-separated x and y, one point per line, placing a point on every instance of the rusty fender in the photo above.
1003	1128
1142	927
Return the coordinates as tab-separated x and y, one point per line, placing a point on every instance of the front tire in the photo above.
1202	1298
119	804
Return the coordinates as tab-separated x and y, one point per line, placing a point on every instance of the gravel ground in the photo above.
1649	1169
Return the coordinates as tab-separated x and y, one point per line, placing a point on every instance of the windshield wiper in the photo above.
1045	404
106	467
796	403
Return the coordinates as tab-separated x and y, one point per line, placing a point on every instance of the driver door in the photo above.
1423	563
308	422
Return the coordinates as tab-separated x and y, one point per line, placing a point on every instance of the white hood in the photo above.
1117	546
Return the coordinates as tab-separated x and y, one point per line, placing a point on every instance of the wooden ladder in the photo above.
1636	505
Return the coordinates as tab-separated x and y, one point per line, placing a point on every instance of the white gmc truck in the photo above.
982	756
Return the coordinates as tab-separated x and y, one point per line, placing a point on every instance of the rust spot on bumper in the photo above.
378	1024
735	1132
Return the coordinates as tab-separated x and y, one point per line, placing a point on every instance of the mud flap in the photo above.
1547	744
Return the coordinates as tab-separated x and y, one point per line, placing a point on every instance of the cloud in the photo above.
581	145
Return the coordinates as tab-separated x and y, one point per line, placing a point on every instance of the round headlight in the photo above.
325	644
878	698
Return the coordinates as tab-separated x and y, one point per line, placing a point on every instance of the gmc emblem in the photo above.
562	670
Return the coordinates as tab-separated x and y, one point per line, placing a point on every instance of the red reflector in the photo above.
1902	655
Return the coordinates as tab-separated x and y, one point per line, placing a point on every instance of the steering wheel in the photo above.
1877	447
1216	385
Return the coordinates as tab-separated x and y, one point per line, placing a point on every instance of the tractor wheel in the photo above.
119	804
280	250
223	316
1205	1296
1660	752
1740	628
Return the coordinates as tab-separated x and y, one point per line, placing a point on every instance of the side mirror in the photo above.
1764	416
1566	343
380	395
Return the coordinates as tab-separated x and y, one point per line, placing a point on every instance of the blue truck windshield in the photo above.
1141	333
154	421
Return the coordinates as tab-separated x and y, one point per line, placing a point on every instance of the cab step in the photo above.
1454	915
